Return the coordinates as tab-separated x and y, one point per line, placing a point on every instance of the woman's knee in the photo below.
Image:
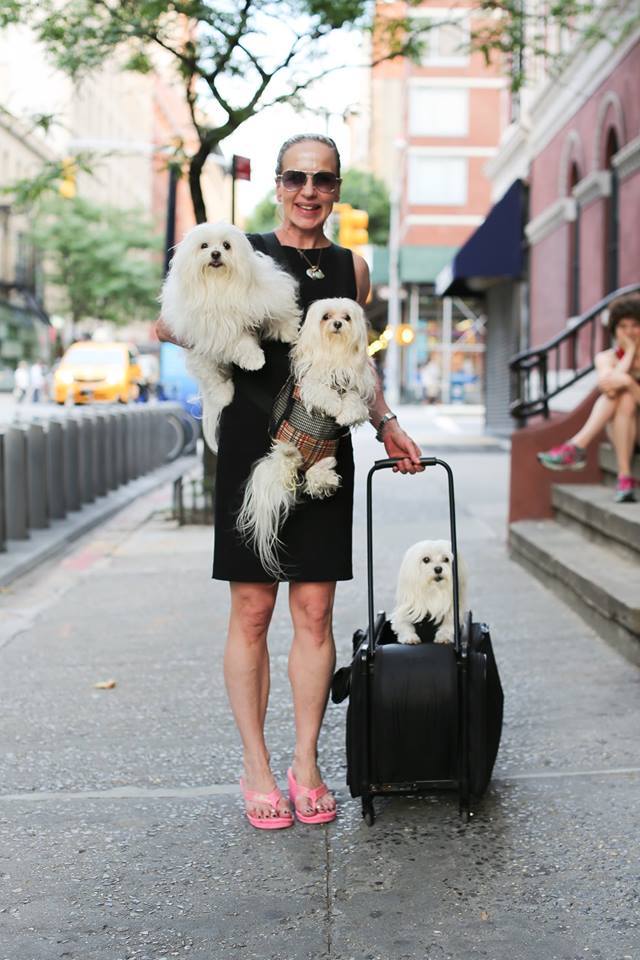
312	608
626	405
252	608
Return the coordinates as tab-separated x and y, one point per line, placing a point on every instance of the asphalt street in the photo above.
121	826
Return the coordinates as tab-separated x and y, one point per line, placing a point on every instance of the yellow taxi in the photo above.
97	372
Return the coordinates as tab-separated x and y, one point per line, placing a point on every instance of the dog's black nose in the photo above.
437	569
337	324
215	254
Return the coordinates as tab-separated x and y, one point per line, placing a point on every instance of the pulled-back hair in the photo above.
622	308
303	138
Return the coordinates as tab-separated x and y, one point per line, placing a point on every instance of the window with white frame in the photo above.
437	181
446	38
438	112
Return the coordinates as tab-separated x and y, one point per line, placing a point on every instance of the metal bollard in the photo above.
15	479
37	498
121	447
85	460
55	470
71	464
114	473
102	484
131	444
3	534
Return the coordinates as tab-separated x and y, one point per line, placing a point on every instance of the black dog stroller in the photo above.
421	718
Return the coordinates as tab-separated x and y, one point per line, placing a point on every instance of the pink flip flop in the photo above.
273	798
296	790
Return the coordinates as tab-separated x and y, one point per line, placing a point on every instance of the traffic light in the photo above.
352	230
68	172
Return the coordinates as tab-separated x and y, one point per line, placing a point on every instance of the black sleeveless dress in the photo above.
316	537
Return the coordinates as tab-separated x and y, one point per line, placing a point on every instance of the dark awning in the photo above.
492	253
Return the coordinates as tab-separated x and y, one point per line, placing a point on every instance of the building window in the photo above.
612	230
437	181
574	249
438	112
446	39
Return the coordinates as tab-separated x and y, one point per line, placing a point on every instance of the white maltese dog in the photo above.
331	386
424	593
219	298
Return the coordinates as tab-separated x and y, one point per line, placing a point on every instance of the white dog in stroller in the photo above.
424	593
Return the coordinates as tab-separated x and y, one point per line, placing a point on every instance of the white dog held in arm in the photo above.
425	592
331	387
219	298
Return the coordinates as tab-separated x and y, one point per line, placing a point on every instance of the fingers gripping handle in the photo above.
425	462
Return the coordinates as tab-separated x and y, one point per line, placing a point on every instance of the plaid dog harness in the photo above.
315	435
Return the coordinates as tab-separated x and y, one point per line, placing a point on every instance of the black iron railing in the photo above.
541	373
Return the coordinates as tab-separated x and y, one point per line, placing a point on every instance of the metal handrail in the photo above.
537	360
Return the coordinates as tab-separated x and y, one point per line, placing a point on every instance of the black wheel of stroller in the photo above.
368	812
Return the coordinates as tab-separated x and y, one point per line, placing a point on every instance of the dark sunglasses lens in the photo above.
293	179
325	182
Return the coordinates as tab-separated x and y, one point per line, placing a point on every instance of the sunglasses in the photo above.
324	181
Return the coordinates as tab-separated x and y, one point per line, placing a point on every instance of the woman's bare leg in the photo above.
623	431
311	664
246	673
601	413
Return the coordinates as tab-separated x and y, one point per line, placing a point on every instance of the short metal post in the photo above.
36	454
55	470
15	479
71	464
100	428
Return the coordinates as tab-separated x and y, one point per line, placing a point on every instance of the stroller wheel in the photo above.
368	812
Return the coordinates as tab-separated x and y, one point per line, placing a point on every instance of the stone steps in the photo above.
589	555
607	462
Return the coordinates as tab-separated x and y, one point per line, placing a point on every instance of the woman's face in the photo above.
307	208
628	328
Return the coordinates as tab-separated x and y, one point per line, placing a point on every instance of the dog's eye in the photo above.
226	245
445	559
326	316
203	246
345	316
426	559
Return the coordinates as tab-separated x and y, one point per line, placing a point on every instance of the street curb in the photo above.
23	556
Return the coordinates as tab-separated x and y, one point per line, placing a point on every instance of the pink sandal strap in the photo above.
273	798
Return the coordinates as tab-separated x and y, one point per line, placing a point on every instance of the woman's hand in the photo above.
628	344
613	380
397	443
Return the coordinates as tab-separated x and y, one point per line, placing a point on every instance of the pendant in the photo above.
315	273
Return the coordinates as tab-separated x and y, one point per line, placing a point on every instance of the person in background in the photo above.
617	408
21	382
36	381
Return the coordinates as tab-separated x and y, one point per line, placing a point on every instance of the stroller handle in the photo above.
425	462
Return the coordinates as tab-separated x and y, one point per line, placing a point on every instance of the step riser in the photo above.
598	524
625	641
596	536
609	467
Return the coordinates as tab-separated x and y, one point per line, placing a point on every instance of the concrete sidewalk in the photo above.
121	826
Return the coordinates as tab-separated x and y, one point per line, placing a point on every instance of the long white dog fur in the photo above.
335	377
425	589
219	297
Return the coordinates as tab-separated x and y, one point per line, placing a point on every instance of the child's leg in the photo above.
623	431
602	411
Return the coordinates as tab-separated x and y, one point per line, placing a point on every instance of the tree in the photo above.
99	259
365	192
263	218
235	57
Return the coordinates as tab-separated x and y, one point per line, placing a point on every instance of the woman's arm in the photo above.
165	334
397	443
613	373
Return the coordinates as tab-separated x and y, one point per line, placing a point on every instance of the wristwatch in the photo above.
387	417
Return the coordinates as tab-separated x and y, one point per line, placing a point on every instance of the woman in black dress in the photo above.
317	536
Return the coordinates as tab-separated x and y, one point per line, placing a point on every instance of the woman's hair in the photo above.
303	138
622	308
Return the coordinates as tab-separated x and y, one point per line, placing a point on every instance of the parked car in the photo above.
97	372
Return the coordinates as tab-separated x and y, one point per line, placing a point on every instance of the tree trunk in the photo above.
195	172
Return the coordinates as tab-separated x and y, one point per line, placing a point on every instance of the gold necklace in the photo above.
313	271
